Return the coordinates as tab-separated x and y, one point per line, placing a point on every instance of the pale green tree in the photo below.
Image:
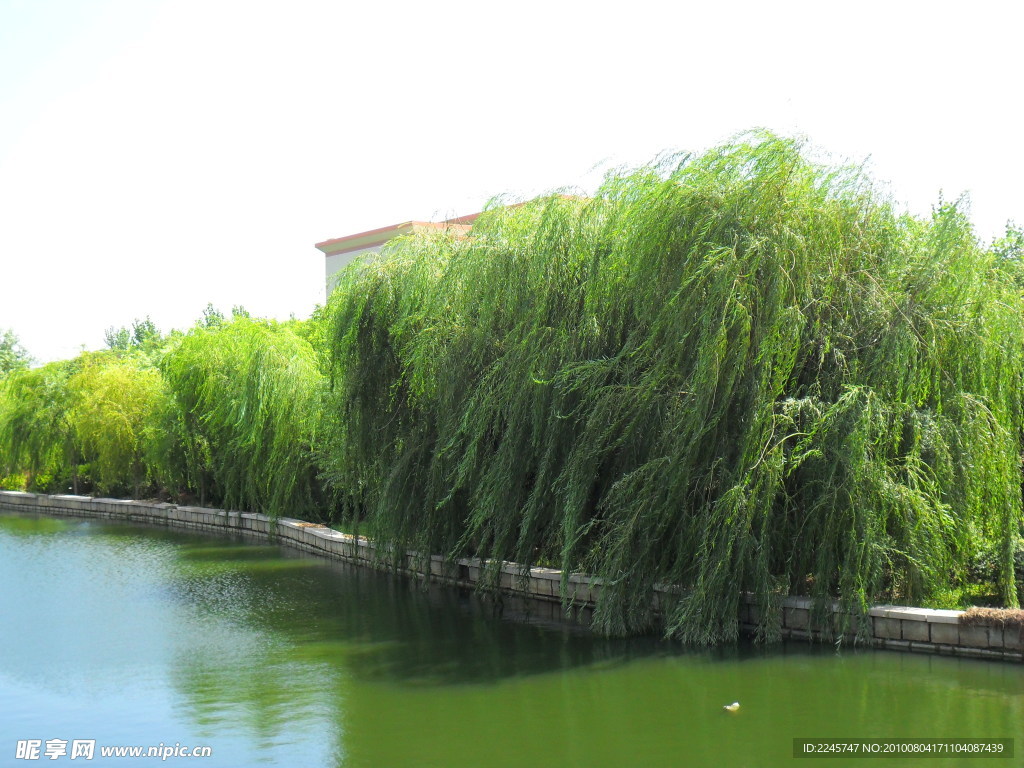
13	356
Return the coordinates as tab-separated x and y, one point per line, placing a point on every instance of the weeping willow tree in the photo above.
82	424
741	372
243	430
117	405
36	435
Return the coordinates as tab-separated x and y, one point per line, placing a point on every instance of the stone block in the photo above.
940	616
979	653
995	637
887	629
841	619
1012	639
68	501
944	634
541	587
575	591
897	645
974	637
658	603
795	618
916	631
21	497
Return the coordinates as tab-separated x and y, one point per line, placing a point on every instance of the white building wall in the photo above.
338	261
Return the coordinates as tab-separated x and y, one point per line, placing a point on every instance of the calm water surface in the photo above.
141	636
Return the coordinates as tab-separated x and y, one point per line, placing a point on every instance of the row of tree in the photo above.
223	414
735	372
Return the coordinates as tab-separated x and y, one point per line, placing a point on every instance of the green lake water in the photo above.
142	636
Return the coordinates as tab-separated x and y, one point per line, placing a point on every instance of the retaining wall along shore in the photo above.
894	627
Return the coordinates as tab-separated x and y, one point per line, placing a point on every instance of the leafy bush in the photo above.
16	482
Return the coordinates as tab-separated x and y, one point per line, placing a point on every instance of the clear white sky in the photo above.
156	155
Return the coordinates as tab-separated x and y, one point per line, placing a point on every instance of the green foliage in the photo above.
740	373
143	336
117	405
95	412
13	356
36	435
212	317
1009	252
13	483
246	395
1010	247
118	339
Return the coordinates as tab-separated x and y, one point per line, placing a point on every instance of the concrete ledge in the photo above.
906	613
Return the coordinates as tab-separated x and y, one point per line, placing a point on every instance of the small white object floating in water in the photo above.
734	707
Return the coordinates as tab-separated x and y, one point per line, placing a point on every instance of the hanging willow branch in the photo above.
247	394
742	374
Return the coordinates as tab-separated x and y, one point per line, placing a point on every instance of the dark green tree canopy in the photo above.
734	372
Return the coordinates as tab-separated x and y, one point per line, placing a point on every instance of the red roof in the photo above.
377	237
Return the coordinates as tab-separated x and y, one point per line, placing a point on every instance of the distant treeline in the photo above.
733	372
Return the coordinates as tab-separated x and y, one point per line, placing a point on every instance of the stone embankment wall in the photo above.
903	628
894	627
